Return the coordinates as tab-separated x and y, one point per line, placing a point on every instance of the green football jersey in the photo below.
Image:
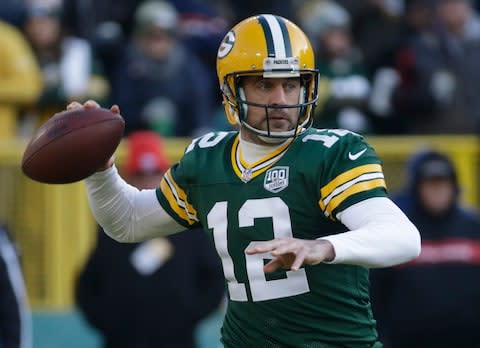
296	191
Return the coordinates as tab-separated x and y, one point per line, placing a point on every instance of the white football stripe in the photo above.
277	35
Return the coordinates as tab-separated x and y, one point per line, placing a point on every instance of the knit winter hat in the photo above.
145	154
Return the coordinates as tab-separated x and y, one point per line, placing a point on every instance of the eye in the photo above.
292	84
263	84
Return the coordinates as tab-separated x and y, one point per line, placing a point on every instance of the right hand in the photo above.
292	253
93	104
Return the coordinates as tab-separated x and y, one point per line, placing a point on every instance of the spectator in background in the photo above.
105	24
150	294
344	86
377	29
397	92
69	69
160	84
202	26
13	11
20	78
15	317
433	301
242	9
445	61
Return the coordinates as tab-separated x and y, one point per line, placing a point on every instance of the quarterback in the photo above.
298	215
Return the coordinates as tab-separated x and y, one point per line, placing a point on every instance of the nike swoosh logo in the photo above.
353	157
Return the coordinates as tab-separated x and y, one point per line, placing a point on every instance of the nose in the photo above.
278	95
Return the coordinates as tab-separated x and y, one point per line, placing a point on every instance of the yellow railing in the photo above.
463	150
55	229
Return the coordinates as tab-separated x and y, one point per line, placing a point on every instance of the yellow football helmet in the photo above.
274	47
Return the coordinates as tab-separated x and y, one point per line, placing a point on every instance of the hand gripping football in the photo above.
72	145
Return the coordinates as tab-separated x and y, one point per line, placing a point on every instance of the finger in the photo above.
284	249
115	108
74	105
263	247
272	266
299	259
256	250
91	104
259	248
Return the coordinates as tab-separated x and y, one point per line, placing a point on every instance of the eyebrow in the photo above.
261	78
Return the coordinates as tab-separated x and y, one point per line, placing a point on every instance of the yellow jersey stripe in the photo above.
358	187
176	197
181	198
347	176
233	158
167	193
180	194
341	188
323	202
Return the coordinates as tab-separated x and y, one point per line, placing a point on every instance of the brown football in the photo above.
72	145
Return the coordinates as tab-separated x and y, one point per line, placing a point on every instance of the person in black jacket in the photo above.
434	300
15	317
161	84
159	289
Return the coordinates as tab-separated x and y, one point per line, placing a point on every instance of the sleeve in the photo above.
351	173
125	213
174	195
380	235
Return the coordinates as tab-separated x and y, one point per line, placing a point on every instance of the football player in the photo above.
297	214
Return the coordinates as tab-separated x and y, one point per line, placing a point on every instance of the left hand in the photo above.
292	253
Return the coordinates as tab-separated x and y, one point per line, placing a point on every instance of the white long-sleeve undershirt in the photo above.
126	213
380	234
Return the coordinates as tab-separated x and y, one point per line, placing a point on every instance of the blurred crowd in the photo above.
387	66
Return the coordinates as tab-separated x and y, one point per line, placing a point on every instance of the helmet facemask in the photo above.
236	104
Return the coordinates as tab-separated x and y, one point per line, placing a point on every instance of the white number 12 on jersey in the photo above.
261	289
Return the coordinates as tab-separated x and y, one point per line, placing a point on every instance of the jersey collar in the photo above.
245	171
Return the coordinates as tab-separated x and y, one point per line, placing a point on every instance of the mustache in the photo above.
269	106
276	113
